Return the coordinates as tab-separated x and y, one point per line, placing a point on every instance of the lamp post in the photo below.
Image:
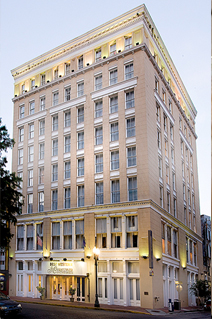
96	256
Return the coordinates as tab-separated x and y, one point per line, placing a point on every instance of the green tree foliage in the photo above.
201	288
10	197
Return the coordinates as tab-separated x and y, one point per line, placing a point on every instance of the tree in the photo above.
10	197
201	288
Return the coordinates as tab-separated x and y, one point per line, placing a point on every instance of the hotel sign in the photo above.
76	268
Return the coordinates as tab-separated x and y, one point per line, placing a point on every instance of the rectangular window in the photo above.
116	232
55	123
114	160
99	193
132	188
42	103
113	49
167	175
161	196
171	132
23	88
165	123
67	233
41	201
190	250
41	127
31	131
67	94
55	98
21	134
20	237
30	237
99	163
30	178
131	156
98	82
98	54
166	149
114	132
156	84
54	172
54	199
80	114
55	147
67	168
101	232
172	155
55	74
98	109
163	238
41	175
130	100
20	156
67	144
56	236
80	167
43	79
114	104
79	231
41	151
195	254
81	196
175	243
21	111
184	196
80	89
158	113
175	207
159	140
39	228
80	62
99	135
30	154
169	242
115	191
113	76
164	96
67	68
31	107
67	198
129	71
80	140
168	202
160	167
20	174
67	119
29	203
128	43
132	231
131	127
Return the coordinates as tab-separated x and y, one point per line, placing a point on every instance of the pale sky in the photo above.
30	28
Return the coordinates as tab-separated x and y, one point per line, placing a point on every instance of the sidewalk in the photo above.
106	307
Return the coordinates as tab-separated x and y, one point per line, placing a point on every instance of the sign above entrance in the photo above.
75	268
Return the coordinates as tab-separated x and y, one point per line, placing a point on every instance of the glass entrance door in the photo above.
80	289
56	287
118	291
134	290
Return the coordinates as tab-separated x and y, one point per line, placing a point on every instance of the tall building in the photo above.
206	244
106	148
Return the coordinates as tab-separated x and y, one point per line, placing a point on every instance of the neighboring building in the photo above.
106	147
206	244
4	271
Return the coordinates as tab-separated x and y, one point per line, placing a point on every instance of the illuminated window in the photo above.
80	62
113	49
163	238
43	79
98	55
128	43
67	68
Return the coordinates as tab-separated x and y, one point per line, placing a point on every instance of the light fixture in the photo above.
82	259
96	252
119	51
137	43
47	81
45	257
184	268
51	258
88	64
88	256
104	57
11	258
158	259
64	259
40	259
72	70
144	257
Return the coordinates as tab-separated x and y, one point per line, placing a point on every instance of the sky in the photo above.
30	28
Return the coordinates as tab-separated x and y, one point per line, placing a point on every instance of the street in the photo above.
36	311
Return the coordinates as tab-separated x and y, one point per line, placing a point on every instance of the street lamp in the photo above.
96	256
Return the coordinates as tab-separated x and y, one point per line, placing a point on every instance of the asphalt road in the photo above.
36	311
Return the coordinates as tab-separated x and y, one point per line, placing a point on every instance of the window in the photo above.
131	156
114	104
55	123
116	232
39	236
132	188
159	140
165	122
161	196
195	254
132	231
55	74
80	167
115	191
40	175
114	132
81	196
98	55
173	181
98	82
169	242
67	144
113	76
175	243
21	134
158	113
113	49
67	198
55	147
170	106
56	235
67	168
67	119
129	72
175	207
55	98
23	88
163	238
41	127
67	94
128	43
20	174
54	172
172	155
191	253
187	250
98	109
80	62
31	107
131	127
20	156
29	237
21	111
185	216
30	178
80	114
181	147
43	79
167	174
168	202
80	89
99	135
99	163
166	149
99	193
67	68
101	232
80	140
164	96
160	167
30	153
29	203
54	199
42	103
184	196
79	231
41	201
20	237
67	233
41	151
31	131
114	160
189	198
171	132
156	84
130	99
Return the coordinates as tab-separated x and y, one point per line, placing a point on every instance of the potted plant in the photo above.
72	292
41	291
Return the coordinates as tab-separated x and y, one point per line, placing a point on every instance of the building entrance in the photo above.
61	285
